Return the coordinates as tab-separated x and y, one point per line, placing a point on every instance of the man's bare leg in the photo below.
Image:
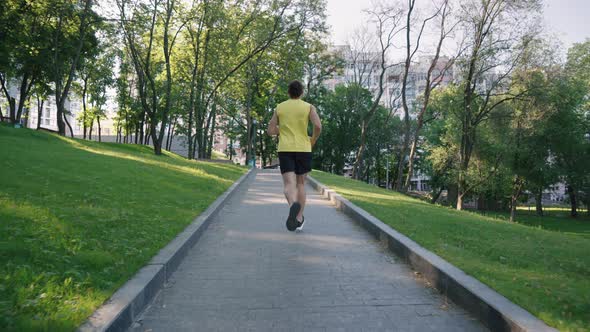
301	194
290	187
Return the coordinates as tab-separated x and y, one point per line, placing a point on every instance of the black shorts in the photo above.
298	162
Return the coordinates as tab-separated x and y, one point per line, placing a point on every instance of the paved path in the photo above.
247	272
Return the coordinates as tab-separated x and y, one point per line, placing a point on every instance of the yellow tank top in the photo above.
293	117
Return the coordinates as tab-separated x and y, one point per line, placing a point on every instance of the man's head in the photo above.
295	89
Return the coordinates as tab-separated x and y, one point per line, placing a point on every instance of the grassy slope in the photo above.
553	220
78	218
545	272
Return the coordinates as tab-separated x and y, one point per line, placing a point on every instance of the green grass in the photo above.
557	220
218	155
546	272
79	218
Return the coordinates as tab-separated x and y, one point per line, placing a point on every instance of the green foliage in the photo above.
79	218
578	61
546	272
522	146
340	113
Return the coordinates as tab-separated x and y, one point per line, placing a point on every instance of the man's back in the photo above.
293	116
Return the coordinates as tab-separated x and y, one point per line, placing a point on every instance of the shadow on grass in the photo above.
78	221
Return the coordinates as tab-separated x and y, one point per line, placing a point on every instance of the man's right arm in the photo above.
273	128
317	125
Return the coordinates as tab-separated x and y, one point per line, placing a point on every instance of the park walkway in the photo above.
247	272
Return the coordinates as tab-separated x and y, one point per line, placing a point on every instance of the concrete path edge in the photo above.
492	309
124	306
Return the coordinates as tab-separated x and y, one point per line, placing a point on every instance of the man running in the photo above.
290	122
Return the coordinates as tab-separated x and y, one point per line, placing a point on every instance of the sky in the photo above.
568	20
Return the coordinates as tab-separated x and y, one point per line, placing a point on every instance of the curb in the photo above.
125	305
492	309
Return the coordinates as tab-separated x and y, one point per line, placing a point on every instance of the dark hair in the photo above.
295	89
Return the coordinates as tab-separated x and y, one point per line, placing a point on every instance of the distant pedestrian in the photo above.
290	121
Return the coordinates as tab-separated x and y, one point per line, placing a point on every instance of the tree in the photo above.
578	67
411	49
142	36
25	47
571	147
340	113
498	32
435	76
95	75
72	36
388	20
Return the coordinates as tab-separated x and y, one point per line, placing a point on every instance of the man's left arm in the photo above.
317	125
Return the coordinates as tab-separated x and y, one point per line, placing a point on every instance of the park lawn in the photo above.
546	272
557	220
79	218
218	155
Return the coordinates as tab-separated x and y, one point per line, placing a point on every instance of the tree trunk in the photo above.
146	138
452	193
84	114
61	127
436	195
167	134
539	202
68	125
142	129
25	114
11	102
12	106
25	88
191	107
212	135
378	164
573	201
514	202
465	156
399	185
40	103
90	130
412	156
99	129
459	204
356	167
127	129
170	135
157	145
195	147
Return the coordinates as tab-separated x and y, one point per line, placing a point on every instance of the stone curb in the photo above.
492	309
124	306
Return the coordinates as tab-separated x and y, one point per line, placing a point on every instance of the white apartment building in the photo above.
49	113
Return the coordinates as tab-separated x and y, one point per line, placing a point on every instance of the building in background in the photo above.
364	68
73	107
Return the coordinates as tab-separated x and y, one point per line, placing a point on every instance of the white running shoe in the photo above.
300	227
